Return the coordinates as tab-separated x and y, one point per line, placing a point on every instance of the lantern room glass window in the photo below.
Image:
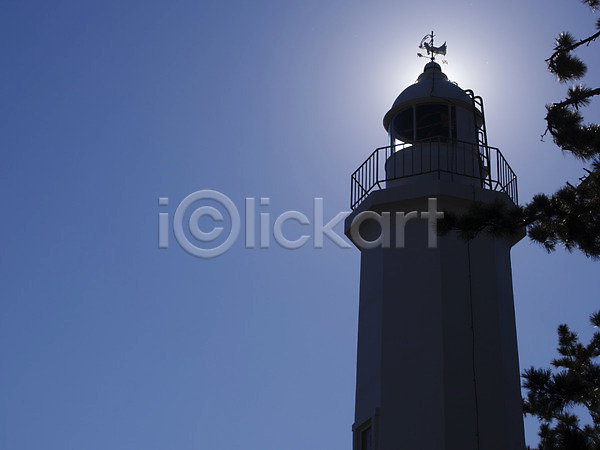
403	126
432	121
424	122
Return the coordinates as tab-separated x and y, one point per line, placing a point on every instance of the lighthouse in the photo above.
437	359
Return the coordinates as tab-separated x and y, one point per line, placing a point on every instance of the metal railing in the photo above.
466	160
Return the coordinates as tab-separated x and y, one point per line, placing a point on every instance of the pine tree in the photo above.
570	216
574	382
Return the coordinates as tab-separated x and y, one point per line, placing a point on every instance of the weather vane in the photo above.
431	50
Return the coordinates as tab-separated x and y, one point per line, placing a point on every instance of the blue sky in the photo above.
107	341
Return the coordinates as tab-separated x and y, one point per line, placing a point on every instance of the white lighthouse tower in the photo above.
437	362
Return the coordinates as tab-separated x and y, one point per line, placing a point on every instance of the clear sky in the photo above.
107	342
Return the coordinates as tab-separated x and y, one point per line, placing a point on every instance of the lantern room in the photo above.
433	108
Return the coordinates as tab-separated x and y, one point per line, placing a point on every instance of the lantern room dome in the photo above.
432	86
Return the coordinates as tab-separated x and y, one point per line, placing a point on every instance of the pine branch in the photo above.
578	96
551	396
559	49
570	216
593	4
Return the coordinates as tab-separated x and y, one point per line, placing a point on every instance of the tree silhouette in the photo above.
570	216
574	382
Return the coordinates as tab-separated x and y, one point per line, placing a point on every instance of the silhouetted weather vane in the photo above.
431	50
